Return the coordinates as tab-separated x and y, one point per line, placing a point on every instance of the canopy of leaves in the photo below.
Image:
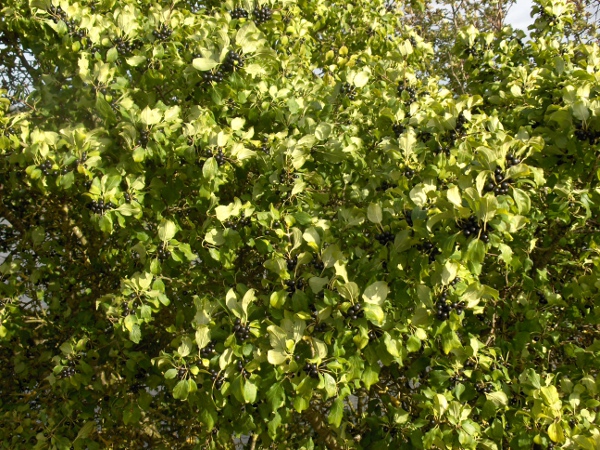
276	220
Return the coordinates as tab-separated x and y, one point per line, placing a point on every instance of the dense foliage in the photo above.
273	220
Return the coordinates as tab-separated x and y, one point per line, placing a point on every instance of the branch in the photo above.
253	441
325	434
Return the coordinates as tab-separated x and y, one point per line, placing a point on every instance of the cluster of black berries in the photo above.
398	129
217	76
321	327
262	15
470	51
318	264
143	138
512	160
445	149
233	61
385	185
409	173
455	281
408	217
240	366
74	30
355	312
128	312
385	237
499	184
162	33
412	93
67	372
214	376
264	147
209	350
311	370
239	13
242	332
292	263
483	388
587	135
46	166
99	207
181	372
444	308
58	12
243	222
460	122
136	387
470	227
292	285
430	249
457	378
127	196
348	90
220	156
126	47
393	431
163	253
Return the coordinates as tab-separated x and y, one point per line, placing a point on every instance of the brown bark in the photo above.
326	434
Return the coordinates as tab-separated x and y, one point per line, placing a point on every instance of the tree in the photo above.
278	221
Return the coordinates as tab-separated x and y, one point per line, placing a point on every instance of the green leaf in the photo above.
135	334
166	230
449	272
151	116
106	224
323	131
522	201
275	396
66	348
249	391
550	395
440	405
374	313
555	432
476	251
131	414
86	430
208	415
312	238
498	398
277	356
336	413
376	293
487	208
237	123
202	336
170	374
361	79
374	213
450	342
210	169
453	195
413	344
181	390
581	111
329	385
370	376
204	64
